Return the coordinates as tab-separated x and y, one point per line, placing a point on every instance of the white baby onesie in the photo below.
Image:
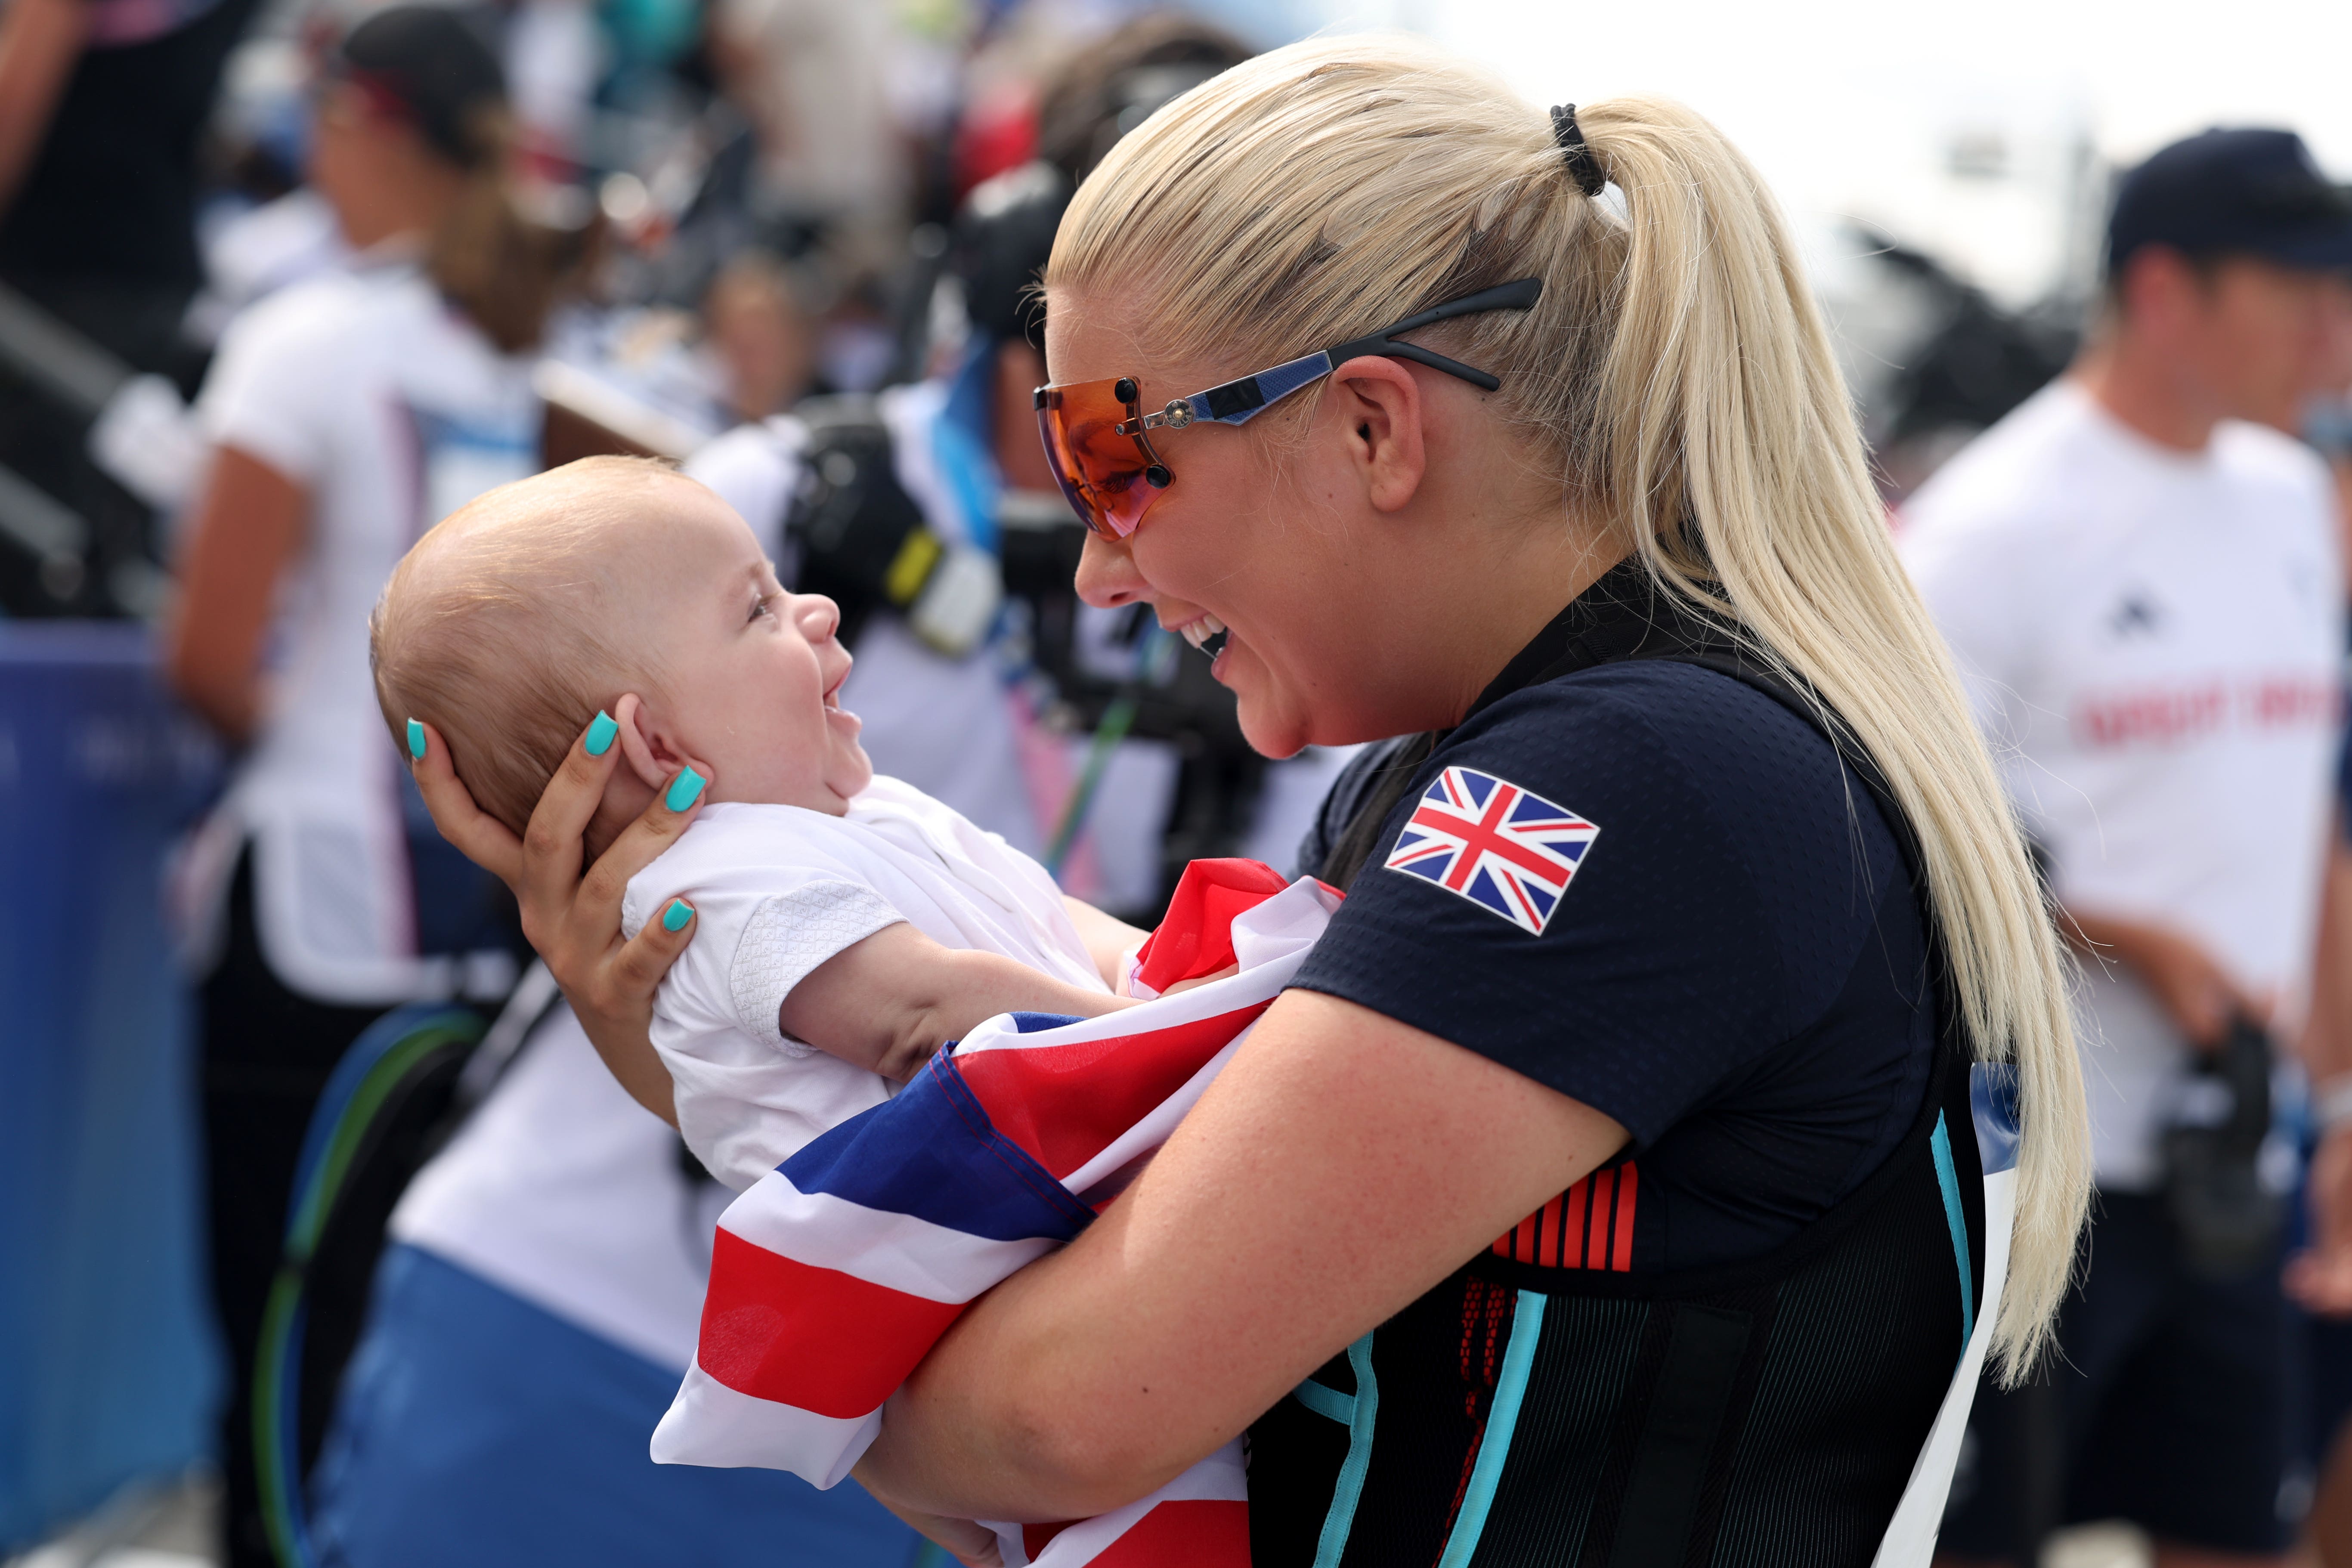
778	889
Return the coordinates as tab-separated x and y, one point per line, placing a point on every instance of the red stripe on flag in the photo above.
1195	937
1035	1538
815	1339
1629	1190
1182	1534
1064	1104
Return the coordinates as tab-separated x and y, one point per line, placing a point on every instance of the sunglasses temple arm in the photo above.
1415	352
1521	295
1516	296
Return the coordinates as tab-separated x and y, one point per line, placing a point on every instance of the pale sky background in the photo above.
1855	107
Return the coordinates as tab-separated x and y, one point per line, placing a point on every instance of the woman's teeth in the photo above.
1208	633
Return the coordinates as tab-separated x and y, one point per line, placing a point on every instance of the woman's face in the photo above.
1262	537
1344	546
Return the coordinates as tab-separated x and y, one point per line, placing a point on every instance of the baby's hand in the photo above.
971	1545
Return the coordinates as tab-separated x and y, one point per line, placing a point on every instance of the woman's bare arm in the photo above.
888	1001
1342	1164
248	528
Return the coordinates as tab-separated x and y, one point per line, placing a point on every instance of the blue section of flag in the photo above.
1039	1022
930	1152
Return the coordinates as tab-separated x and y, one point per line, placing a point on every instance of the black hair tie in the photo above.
1583	166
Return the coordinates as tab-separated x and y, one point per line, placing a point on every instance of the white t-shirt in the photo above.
2154	644
778	889
390	410
568	1193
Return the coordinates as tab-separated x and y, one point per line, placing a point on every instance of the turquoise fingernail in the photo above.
601	733
416	740
683	792
675	916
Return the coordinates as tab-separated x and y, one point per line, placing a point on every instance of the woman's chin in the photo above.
1273	730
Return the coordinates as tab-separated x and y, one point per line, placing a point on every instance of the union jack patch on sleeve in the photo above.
1510	852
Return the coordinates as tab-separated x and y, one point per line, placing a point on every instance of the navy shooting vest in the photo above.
1544	1406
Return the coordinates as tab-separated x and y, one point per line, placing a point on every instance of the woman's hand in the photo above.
2186	980
574	921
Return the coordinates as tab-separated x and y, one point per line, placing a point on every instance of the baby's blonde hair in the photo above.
1675	382
492	629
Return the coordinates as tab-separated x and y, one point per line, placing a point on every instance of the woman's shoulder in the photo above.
1638	726
336	302
321	333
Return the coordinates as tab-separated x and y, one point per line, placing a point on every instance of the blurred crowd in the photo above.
284	281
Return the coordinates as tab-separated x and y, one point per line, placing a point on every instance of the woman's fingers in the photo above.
638	968
551	843
597	909
481	837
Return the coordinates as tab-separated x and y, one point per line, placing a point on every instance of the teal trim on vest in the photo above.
1949	1181
1361	1412
1502	1419
1326	1402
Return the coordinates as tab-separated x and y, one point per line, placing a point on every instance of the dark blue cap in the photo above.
2253	193
431	67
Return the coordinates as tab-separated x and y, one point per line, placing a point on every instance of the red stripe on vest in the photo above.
1591	1226
1629	1189
772	1328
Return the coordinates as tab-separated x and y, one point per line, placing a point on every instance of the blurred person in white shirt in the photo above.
2143	590
345	415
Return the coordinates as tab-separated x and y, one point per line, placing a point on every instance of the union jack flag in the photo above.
1510	852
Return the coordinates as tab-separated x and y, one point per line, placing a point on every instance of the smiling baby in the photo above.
849	925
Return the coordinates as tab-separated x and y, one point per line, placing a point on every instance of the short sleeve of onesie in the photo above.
762	930
769	906
1646	885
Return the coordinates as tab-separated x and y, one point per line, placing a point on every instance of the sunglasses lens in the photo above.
1101	472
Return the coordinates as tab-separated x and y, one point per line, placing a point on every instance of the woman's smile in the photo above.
1204	632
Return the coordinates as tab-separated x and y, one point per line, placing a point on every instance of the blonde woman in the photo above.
1592	1198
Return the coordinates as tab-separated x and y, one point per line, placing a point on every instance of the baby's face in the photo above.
754	673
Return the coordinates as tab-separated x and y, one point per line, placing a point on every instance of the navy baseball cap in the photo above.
428	66
2250	192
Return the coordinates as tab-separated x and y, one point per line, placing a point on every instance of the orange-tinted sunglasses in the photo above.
1096	431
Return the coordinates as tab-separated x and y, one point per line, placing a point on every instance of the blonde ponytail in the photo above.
506	253
1678	377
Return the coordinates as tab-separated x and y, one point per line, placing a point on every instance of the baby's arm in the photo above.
1107	938
886	1002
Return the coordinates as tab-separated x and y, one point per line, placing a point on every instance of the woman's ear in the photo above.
648	752
1380	404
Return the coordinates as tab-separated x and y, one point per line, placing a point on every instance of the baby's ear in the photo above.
642	746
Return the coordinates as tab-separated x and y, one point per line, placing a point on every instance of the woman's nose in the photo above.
1107	573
